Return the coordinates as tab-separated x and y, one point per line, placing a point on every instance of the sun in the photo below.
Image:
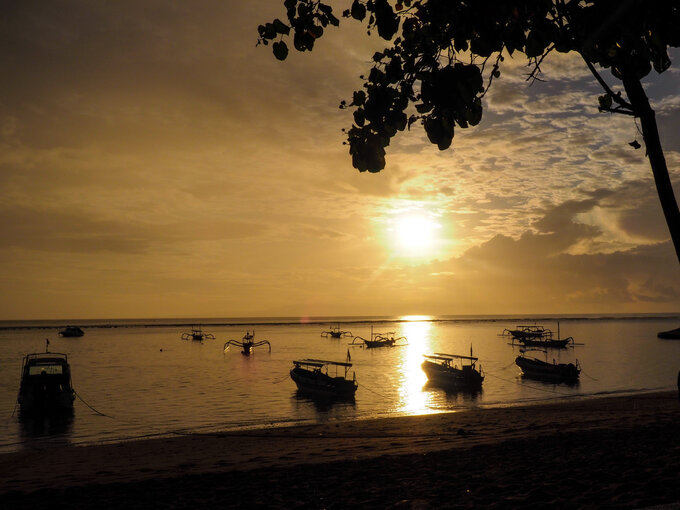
415	234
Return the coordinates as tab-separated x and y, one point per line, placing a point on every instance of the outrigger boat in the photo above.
522	333
311	376
247	343
534	368
380	340
335	332
198	335
538	336
71	332
45	384
442	370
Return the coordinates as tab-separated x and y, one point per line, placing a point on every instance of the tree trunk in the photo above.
638	99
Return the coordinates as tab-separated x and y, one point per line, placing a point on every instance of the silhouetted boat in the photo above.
311	376
442	370
673	334
547	342
534	368
335	332
379	340
45	384
522	333
538	336
71	332
198	335
247	343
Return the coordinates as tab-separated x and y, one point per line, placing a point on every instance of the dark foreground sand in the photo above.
621	452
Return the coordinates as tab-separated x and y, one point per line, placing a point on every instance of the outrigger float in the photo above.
198	335
311	377
247	343
442	370
45	387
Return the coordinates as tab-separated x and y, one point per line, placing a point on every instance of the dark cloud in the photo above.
54	230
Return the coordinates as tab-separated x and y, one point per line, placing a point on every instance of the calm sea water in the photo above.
146	381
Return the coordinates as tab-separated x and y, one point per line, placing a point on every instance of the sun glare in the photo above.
415	234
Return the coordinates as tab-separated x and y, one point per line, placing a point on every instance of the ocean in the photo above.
137	378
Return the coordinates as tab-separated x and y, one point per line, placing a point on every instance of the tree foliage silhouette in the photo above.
443	56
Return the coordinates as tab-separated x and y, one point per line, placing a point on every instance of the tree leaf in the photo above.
605	102
280	50
281	27
358	10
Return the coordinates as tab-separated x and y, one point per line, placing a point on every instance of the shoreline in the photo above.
49	324
631	440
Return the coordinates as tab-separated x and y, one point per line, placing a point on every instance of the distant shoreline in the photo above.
44	324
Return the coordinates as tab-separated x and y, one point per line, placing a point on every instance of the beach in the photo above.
621	452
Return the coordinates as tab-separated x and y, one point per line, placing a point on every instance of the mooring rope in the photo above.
277	381
88	405
588	375
524	385
372	391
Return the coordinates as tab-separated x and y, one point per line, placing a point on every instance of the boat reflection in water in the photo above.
55	425
451	396
324	407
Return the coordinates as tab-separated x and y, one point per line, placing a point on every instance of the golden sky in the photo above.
155	163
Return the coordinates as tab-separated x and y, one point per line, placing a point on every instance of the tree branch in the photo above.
618	109
615	96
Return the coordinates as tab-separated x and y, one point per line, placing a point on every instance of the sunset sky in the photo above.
155	163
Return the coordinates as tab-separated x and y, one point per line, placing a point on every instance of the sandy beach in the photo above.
617	452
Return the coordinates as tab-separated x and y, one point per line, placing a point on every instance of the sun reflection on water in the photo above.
412	398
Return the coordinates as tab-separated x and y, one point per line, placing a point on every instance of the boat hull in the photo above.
546	343
542	370
319	384
673	334
44	403
372	344
465	377
71	332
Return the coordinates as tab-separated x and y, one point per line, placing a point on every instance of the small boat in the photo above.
380	340
534	368
335	332
45	384
442	370
673	334
247	343
198	335
522	333
538	336
311	376
547	342
71	332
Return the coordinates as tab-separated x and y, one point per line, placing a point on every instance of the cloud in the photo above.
151	149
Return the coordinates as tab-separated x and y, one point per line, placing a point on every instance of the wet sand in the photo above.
616	452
